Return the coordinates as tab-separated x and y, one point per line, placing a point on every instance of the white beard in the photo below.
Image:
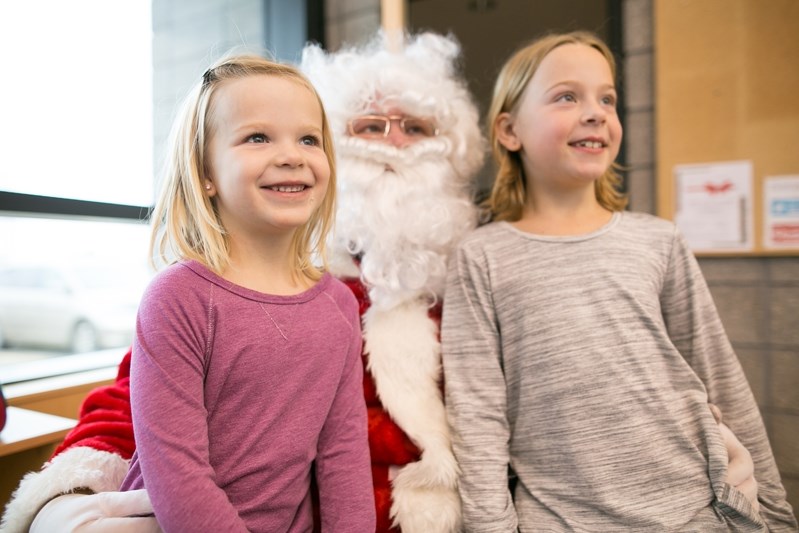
403	211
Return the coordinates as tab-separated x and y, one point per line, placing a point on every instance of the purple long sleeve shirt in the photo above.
236	395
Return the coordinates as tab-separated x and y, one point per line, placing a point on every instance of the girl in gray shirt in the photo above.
581	346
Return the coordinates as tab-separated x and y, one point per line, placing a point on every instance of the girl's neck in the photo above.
563	215
265	267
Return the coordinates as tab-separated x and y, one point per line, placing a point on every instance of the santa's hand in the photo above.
741	469
104	512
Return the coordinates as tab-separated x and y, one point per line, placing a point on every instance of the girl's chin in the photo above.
590	173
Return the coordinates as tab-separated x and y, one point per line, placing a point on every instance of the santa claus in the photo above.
408	146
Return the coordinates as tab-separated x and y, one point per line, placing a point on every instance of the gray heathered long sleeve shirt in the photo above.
586	363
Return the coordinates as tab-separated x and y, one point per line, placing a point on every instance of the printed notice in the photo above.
781	212
714	205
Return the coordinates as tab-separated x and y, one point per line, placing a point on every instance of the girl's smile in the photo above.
590	144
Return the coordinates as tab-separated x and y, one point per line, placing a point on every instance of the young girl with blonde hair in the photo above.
246	372
581	345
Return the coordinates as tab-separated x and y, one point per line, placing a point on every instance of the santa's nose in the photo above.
397	136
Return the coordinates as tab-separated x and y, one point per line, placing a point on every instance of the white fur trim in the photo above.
405	362
425	509
80	467
341	265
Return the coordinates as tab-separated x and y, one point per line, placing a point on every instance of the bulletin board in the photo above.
727	123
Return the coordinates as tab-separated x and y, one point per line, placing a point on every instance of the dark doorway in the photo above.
490	30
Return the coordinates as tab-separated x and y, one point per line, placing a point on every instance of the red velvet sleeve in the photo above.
104	422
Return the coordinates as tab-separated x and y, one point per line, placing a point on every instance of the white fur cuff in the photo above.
81	467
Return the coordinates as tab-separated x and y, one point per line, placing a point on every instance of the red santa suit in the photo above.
402	208
396	458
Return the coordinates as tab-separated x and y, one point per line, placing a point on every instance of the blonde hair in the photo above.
508	195
185	224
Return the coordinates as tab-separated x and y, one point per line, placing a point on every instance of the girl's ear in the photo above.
503	129
208	187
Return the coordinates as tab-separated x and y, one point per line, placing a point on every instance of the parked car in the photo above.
78	309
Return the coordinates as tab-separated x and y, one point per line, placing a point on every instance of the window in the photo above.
76	176
86	102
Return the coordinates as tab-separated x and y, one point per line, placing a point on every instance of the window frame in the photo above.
19	204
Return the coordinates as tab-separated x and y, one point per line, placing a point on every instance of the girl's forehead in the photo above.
573	57
263	90
572	62
263	99
263	82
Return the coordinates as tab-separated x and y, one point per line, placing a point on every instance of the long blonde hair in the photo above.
508	195
185	224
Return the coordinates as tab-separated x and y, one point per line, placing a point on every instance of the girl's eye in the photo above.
567	98
257	138
609	100
311	140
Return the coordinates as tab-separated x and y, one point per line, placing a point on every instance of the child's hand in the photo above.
741	469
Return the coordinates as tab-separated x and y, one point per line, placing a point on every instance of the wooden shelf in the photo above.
26	429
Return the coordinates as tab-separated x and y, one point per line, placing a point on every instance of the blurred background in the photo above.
90	88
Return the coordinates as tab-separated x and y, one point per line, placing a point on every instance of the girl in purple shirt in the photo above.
246	373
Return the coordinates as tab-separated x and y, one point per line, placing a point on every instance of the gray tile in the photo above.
785	442
637	21
333	35
754	363
358	28
784	388
791	484
638	133
640	187
784	269
638	81
742	313
719	270
358	6
784	311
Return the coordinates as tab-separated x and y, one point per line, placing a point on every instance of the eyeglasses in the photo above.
379	126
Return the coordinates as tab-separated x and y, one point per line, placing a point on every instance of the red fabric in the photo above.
388	444
105	423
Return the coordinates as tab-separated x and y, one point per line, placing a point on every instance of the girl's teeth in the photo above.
590	144
288	188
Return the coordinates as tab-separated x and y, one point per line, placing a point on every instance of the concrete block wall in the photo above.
349	22
758	300
757	297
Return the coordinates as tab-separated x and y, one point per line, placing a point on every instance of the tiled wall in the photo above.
757	297
348	22
758	300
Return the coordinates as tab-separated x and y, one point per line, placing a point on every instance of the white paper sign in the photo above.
714	205
781	212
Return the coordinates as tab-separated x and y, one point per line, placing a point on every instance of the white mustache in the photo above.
404	222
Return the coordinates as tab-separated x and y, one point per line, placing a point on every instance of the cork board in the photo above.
727	89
